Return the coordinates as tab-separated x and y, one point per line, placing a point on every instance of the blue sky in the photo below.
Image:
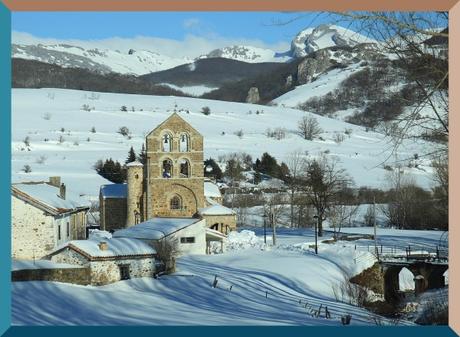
171	25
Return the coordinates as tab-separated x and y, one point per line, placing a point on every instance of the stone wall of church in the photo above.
162	189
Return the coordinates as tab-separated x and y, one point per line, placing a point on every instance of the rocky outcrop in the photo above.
253	95
313	66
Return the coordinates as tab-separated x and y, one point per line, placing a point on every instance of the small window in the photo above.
59	232
175	203
184	168
167	168
68	229
184	141
167	143
190	239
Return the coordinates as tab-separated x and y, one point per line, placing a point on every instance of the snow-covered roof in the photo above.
134	163
155	228
115	247
216	210
114	191
211	190
46	197
212	233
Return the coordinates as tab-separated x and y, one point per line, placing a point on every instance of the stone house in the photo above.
45	216
189	233
109	260
169	184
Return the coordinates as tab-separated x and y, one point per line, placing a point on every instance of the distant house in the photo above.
109	260
190	233
45	216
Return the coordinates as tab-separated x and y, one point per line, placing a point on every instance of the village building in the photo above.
188	233
45	216
170	183
109	260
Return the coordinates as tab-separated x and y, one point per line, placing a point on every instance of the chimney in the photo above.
55	181
62	191
103	245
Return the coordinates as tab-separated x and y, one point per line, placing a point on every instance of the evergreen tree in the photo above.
268	165
142	158
131	156
216	172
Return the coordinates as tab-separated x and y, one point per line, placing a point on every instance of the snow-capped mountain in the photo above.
325	36
129	61
248	54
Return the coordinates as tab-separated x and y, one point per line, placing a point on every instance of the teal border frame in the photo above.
5	256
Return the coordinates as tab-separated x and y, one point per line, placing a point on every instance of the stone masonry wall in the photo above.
226	220
32	232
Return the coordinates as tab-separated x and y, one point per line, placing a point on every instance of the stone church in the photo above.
171	183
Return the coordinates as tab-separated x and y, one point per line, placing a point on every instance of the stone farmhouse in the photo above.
170	184
109	260
45	216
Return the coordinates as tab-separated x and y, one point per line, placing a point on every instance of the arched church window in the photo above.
175	202
167	168
184	142
184	168
167	143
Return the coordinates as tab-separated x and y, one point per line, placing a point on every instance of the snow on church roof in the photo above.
155	228
211	190
114	191
46	197
216	210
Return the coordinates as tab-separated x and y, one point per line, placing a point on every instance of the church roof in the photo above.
119	191
216	210
156	228
46	197
211	190
134	163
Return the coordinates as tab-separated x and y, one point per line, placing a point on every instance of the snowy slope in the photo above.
248	54
103	60
61	142
280	285
325	36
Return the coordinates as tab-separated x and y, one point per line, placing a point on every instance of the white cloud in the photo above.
191	46
191	23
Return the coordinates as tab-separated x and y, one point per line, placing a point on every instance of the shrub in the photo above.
61	139
338	137
93	130
239	133
123	108
86	107
47	116
27	141
206	110
124	131
277	133
27	169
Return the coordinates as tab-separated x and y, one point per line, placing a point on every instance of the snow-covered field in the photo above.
258	284
61	143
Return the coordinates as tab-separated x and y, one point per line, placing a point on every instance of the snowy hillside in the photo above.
248	54
137	62
52	134
325	36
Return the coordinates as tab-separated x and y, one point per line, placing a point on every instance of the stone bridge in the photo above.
427	275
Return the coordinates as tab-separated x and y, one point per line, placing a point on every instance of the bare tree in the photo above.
167	250
338	214
323	181
273	208
295	163
309	127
